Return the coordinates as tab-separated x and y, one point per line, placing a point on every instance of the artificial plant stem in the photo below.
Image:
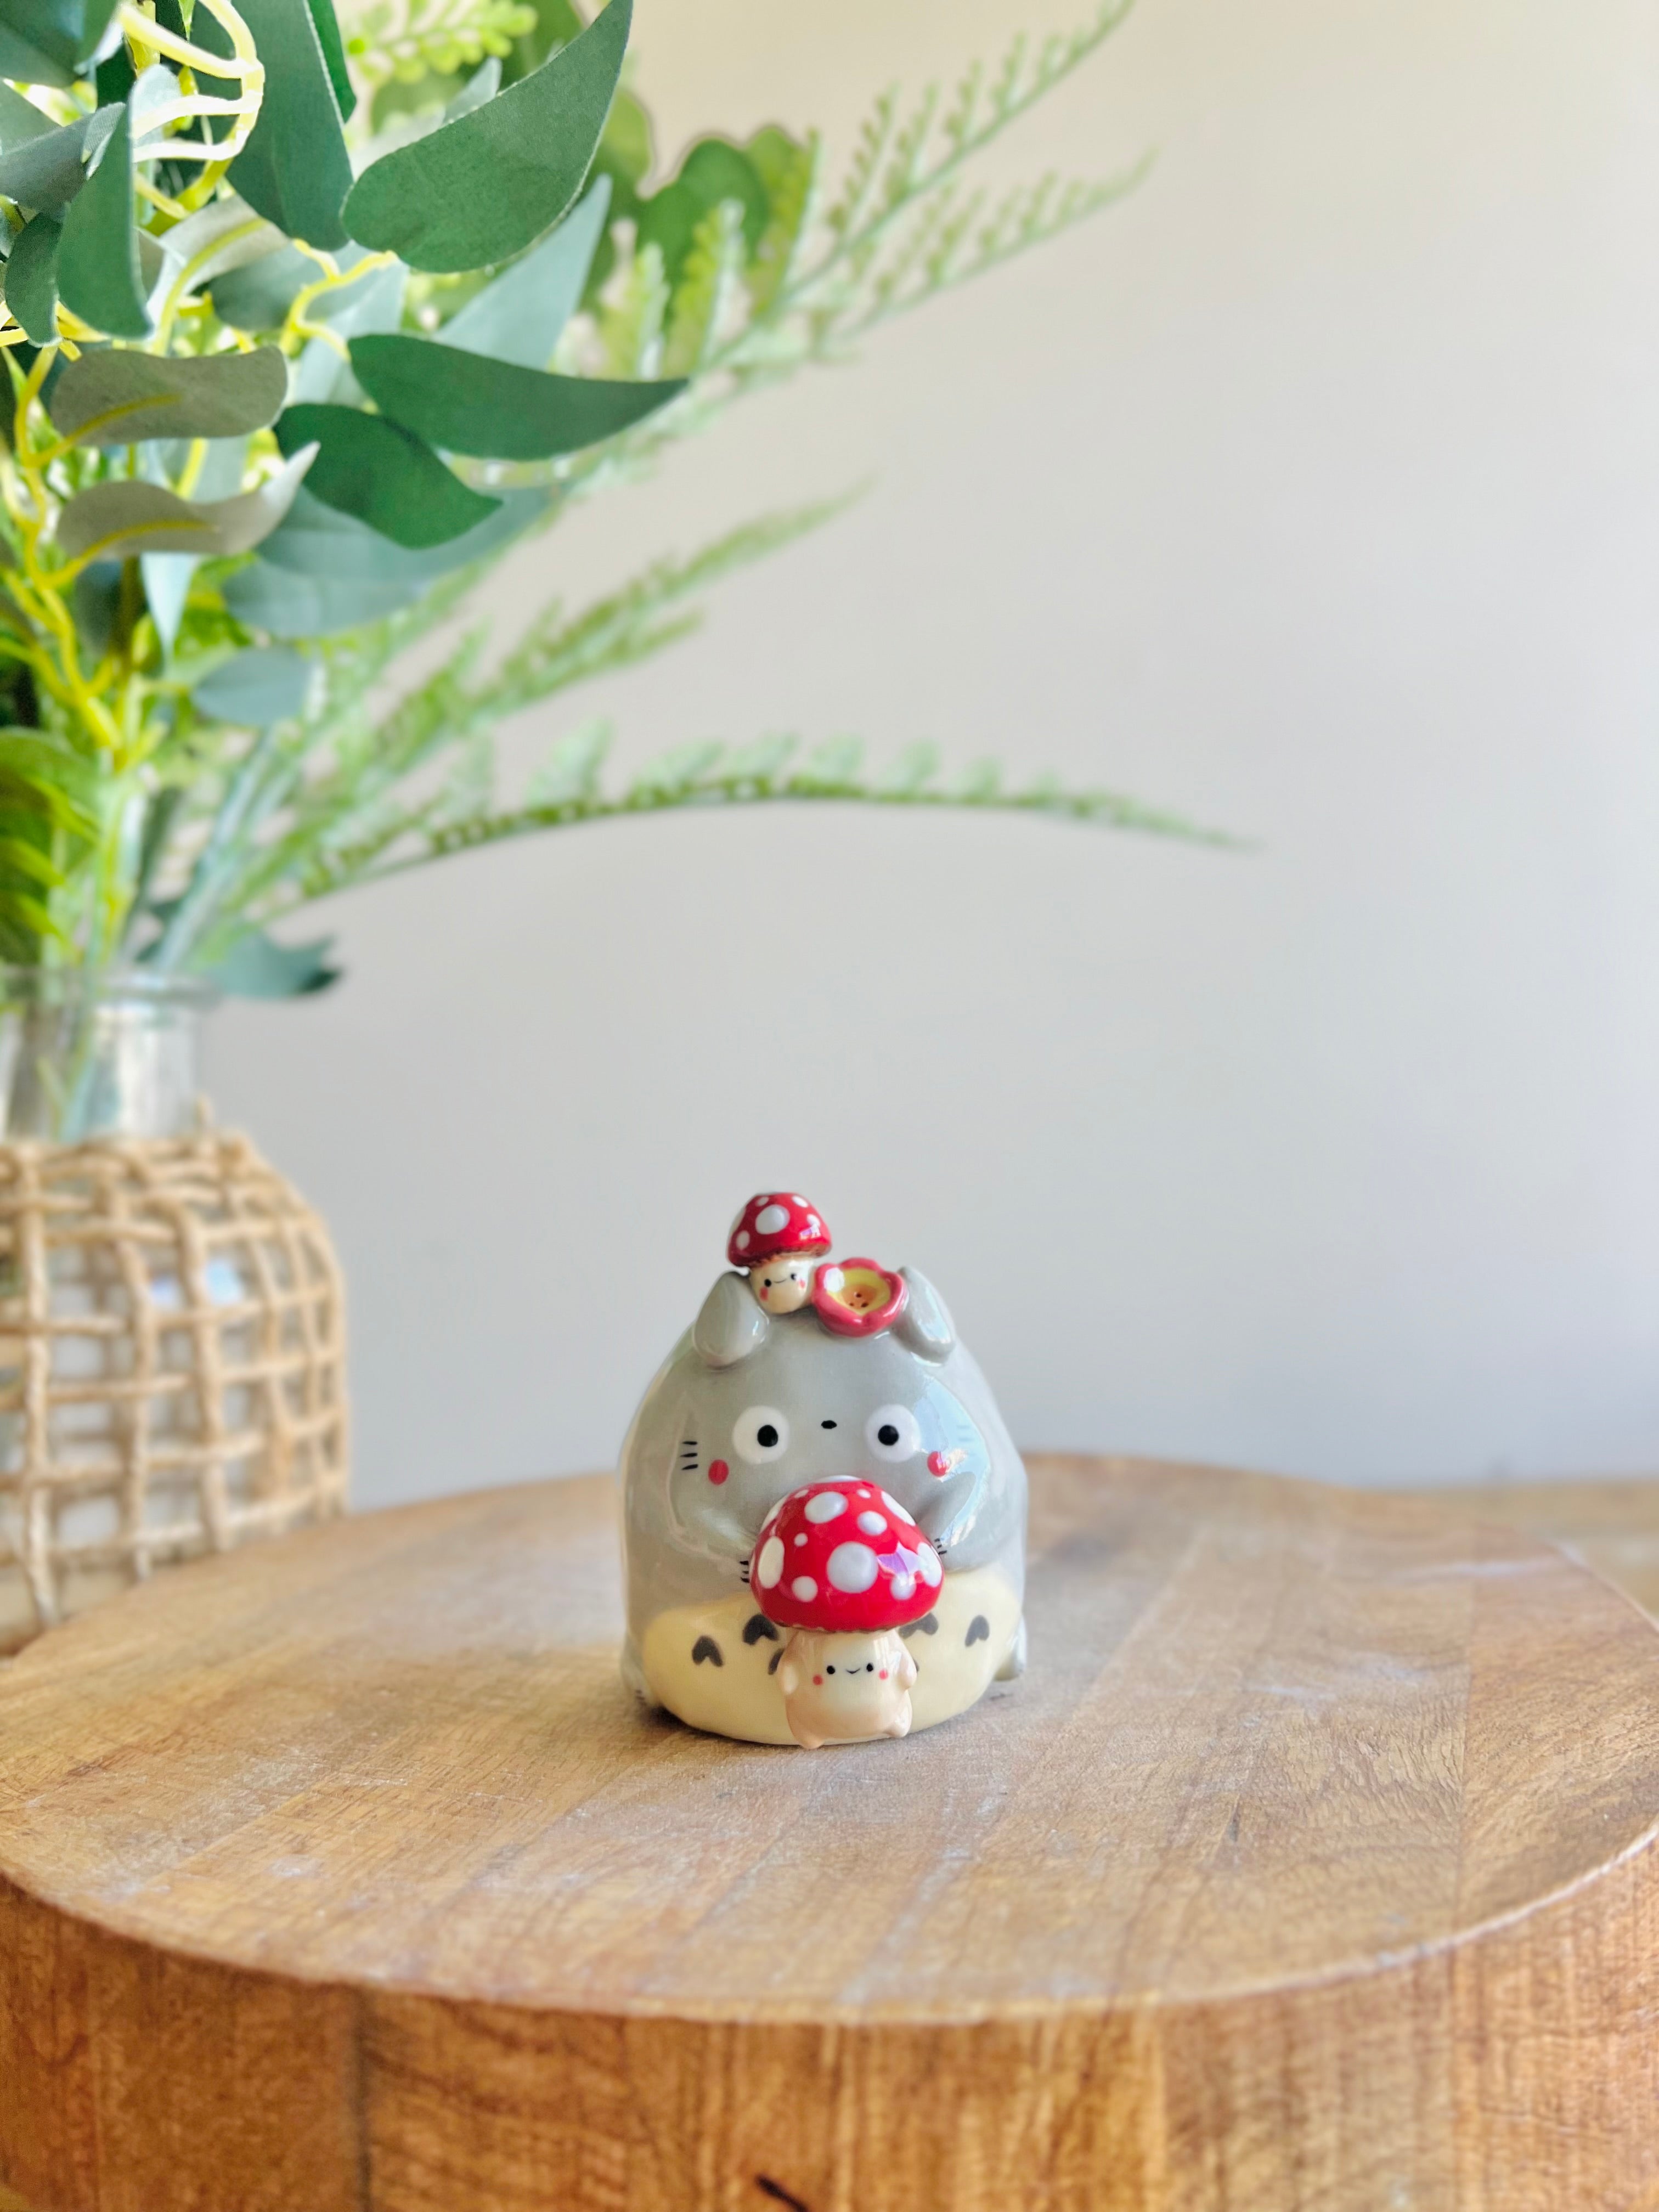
194	909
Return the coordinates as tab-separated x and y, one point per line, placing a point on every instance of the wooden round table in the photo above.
1312	1865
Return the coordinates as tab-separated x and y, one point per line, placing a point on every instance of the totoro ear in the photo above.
731	1325
925	1326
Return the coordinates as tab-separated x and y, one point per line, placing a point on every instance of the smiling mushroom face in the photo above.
784	1285
777	1237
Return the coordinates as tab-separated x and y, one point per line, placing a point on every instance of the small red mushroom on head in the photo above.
776	1237
843	1567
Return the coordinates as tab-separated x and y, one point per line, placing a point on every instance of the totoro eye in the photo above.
761	1433
892	1434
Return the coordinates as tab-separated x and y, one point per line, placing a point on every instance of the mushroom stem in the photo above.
846	1686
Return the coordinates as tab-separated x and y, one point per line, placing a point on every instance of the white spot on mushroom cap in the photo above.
826	1506
769	1565
741	1240
800	1535
932	1573
852	1568
902	1586
873	1524
893	1506
799	1201
804	1589
771	1218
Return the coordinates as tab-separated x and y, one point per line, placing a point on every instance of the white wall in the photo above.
1315	492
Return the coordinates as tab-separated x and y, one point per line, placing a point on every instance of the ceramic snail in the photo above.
802	1377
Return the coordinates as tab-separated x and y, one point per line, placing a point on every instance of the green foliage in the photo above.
268	427
518	316
469	404
294	169
113	398
118	521
385	475
31	280
51	45
420	39
480	188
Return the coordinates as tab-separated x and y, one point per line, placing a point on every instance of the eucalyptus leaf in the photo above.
467	403
26	64
20	119
484	84
116	397
97	602
256	296
315	540
118	521
294	169
383	474
376	302
48	170
479	190
286	605
99	275
31	278
114	76
520	314
224	235
48	44
257	967
334	60
223	463
263	685
167	579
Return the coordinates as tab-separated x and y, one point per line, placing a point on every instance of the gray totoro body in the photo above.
749	1406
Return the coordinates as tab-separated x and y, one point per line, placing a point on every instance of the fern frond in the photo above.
571	770
875	135
710	287
555	651
632	312
708	774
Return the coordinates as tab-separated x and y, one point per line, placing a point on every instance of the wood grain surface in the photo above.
1312	1865
1611	1523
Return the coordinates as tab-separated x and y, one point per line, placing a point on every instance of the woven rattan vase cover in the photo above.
172	1363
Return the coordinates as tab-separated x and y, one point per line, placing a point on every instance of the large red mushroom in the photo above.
776	1237
843	1567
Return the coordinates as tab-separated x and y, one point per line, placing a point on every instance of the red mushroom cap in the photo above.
775	1221
843	1557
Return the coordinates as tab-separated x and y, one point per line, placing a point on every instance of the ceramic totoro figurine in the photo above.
864	1382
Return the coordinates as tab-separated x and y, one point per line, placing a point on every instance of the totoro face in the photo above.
797	1403
805	1406
751	1405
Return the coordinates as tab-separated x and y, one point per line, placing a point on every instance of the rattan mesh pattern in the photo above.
172	1364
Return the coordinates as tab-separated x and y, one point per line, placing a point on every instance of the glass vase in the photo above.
172	1316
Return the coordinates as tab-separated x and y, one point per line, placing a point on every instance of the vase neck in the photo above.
99	1055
